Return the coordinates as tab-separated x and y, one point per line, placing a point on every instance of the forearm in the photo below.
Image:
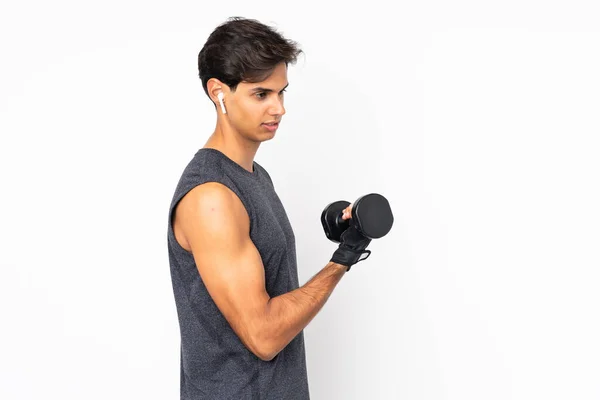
286	315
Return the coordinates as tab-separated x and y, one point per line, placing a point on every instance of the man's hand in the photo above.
352	244
347	213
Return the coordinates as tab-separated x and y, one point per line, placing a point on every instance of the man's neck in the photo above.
242	153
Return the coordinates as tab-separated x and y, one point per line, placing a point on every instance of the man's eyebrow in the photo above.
261	89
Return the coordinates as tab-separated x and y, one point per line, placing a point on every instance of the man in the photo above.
231	247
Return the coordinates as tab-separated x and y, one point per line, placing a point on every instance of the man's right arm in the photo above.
216	227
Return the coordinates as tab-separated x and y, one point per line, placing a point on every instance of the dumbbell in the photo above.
371	215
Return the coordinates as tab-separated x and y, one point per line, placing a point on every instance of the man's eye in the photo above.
263	95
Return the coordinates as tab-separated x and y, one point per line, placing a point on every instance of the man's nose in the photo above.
277	107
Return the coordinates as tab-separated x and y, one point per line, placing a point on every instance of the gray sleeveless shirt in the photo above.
214	363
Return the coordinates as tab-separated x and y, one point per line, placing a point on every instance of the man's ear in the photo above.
214	87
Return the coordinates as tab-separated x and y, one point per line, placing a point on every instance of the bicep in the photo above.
217	229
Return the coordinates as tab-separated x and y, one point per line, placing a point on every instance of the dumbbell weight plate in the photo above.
372	213
331	218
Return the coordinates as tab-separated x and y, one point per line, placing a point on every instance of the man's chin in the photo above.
266	136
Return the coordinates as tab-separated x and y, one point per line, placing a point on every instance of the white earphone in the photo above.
220	97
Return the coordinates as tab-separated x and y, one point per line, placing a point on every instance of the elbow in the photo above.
263	346
263	340
264	351
266	356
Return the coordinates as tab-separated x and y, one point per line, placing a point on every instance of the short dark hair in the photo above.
242	49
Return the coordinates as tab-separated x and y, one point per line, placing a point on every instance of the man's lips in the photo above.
271	126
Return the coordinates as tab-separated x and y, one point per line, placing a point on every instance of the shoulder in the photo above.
212	197
214	209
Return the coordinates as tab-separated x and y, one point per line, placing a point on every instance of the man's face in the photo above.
253	105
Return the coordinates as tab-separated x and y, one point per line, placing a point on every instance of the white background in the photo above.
478	121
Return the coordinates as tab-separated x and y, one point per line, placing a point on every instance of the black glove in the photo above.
352	247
